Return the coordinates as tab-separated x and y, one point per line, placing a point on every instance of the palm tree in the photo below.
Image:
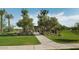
9	17
44	12
24	13
2	12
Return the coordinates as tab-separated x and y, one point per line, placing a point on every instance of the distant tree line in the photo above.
75	29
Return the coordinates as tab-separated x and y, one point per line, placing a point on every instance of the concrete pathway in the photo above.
45	45
48	44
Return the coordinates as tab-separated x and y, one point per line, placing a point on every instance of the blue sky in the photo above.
66	16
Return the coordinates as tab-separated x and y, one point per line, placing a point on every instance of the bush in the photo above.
8	34
24	33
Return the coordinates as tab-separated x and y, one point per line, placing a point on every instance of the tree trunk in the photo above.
9	25
1	23
24	29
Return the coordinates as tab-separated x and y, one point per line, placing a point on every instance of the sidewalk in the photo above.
48	44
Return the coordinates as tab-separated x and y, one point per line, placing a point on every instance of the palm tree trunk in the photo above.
1	23
8	25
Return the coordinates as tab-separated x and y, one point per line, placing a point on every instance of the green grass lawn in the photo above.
18	40
66	37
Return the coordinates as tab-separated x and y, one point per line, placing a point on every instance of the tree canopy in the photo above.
46	23
26	21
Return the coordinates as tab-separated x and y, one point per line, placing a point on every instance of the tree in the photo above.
26	21
9	17
24	13
44	12
77	25
2	12
25	24
42	19
52	22
52	25
47	23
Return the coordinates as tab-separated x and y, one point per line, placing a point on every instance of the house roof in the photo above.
17	27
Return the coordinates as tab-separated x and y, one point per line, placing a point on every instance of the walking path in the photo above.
48	44
45	44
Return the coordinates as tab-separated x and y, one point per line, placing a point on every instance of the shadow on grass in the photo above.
65	41
14	34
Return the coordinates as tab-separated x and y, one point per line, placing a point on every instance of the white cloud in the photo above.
60	14
35	19
66	20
